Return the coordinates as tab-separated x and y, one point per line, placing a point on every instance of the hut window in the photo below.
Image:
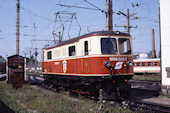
49	55
72	51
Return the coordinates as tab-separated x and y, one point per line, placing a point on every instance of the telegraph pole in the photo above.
128	22
127	26
36	53
17	27
153	44
109	23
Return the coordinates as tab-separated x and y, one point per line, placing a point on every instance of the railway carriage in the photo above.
88	63
2	68
147	65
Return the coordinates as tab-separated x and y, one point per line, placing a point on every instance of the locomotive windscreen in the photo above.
124	46
108	46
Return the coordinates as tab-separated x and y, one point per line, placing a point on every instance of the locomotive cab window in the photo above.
49	55
108	46
72	51
124	46
86	48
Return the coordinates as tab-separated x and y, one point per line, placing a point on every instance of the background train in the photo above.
88	63
147	65
2	68
2	65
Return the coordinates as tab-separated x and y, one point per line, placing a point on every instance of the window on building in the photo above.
155	64
72	51
149	63
143	64
86	48
137	64
49	55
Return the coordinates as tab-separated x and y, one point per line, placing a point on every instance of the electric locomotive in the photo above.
91	62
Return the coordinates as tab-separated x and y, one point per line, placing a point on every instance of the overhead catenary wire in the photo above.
76	6
44	18
94	6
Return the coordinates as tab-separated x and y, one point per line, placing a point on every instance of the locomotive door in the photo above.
86	59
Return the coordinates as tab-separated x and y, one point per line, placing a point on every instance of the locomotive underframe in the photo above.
112	87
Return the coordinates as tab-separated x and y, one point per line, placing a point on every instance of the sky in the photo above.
40	18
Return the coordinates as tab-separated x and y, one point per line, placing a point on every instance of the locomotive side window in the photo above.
108	46
149	63
49	55
124	46
72	51
86	48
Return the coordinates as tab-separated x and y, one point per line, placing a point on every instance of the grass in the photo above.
36	100
154	77
28	99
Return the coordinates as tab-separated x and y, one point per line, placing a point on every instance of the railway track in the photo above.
146	85
148	82
148	106
132	102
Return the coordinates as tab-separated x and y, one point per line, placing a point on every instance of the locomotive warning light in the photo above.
108	64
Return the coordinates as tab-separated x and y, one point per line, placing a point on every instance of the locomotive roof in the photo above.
97	33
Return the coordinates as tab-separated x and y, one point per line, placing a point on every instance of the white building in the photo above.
165	45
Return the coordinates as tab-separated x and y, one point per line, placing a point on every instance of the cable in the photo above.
75	6
94	6
44	18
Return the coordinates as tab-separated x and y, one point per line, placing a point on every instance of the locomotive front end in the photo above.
120	59
117	65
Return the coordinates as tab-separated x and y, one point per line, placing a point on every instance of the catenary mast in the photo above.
109	12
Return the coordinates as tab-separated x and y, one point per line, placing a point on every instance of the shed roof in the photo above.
16	56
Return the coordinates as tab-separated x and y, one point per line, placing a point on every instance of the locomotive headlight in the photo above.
130	63
108	64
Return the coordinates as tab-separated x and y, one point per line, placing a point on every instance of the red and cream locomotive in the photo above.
88	63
